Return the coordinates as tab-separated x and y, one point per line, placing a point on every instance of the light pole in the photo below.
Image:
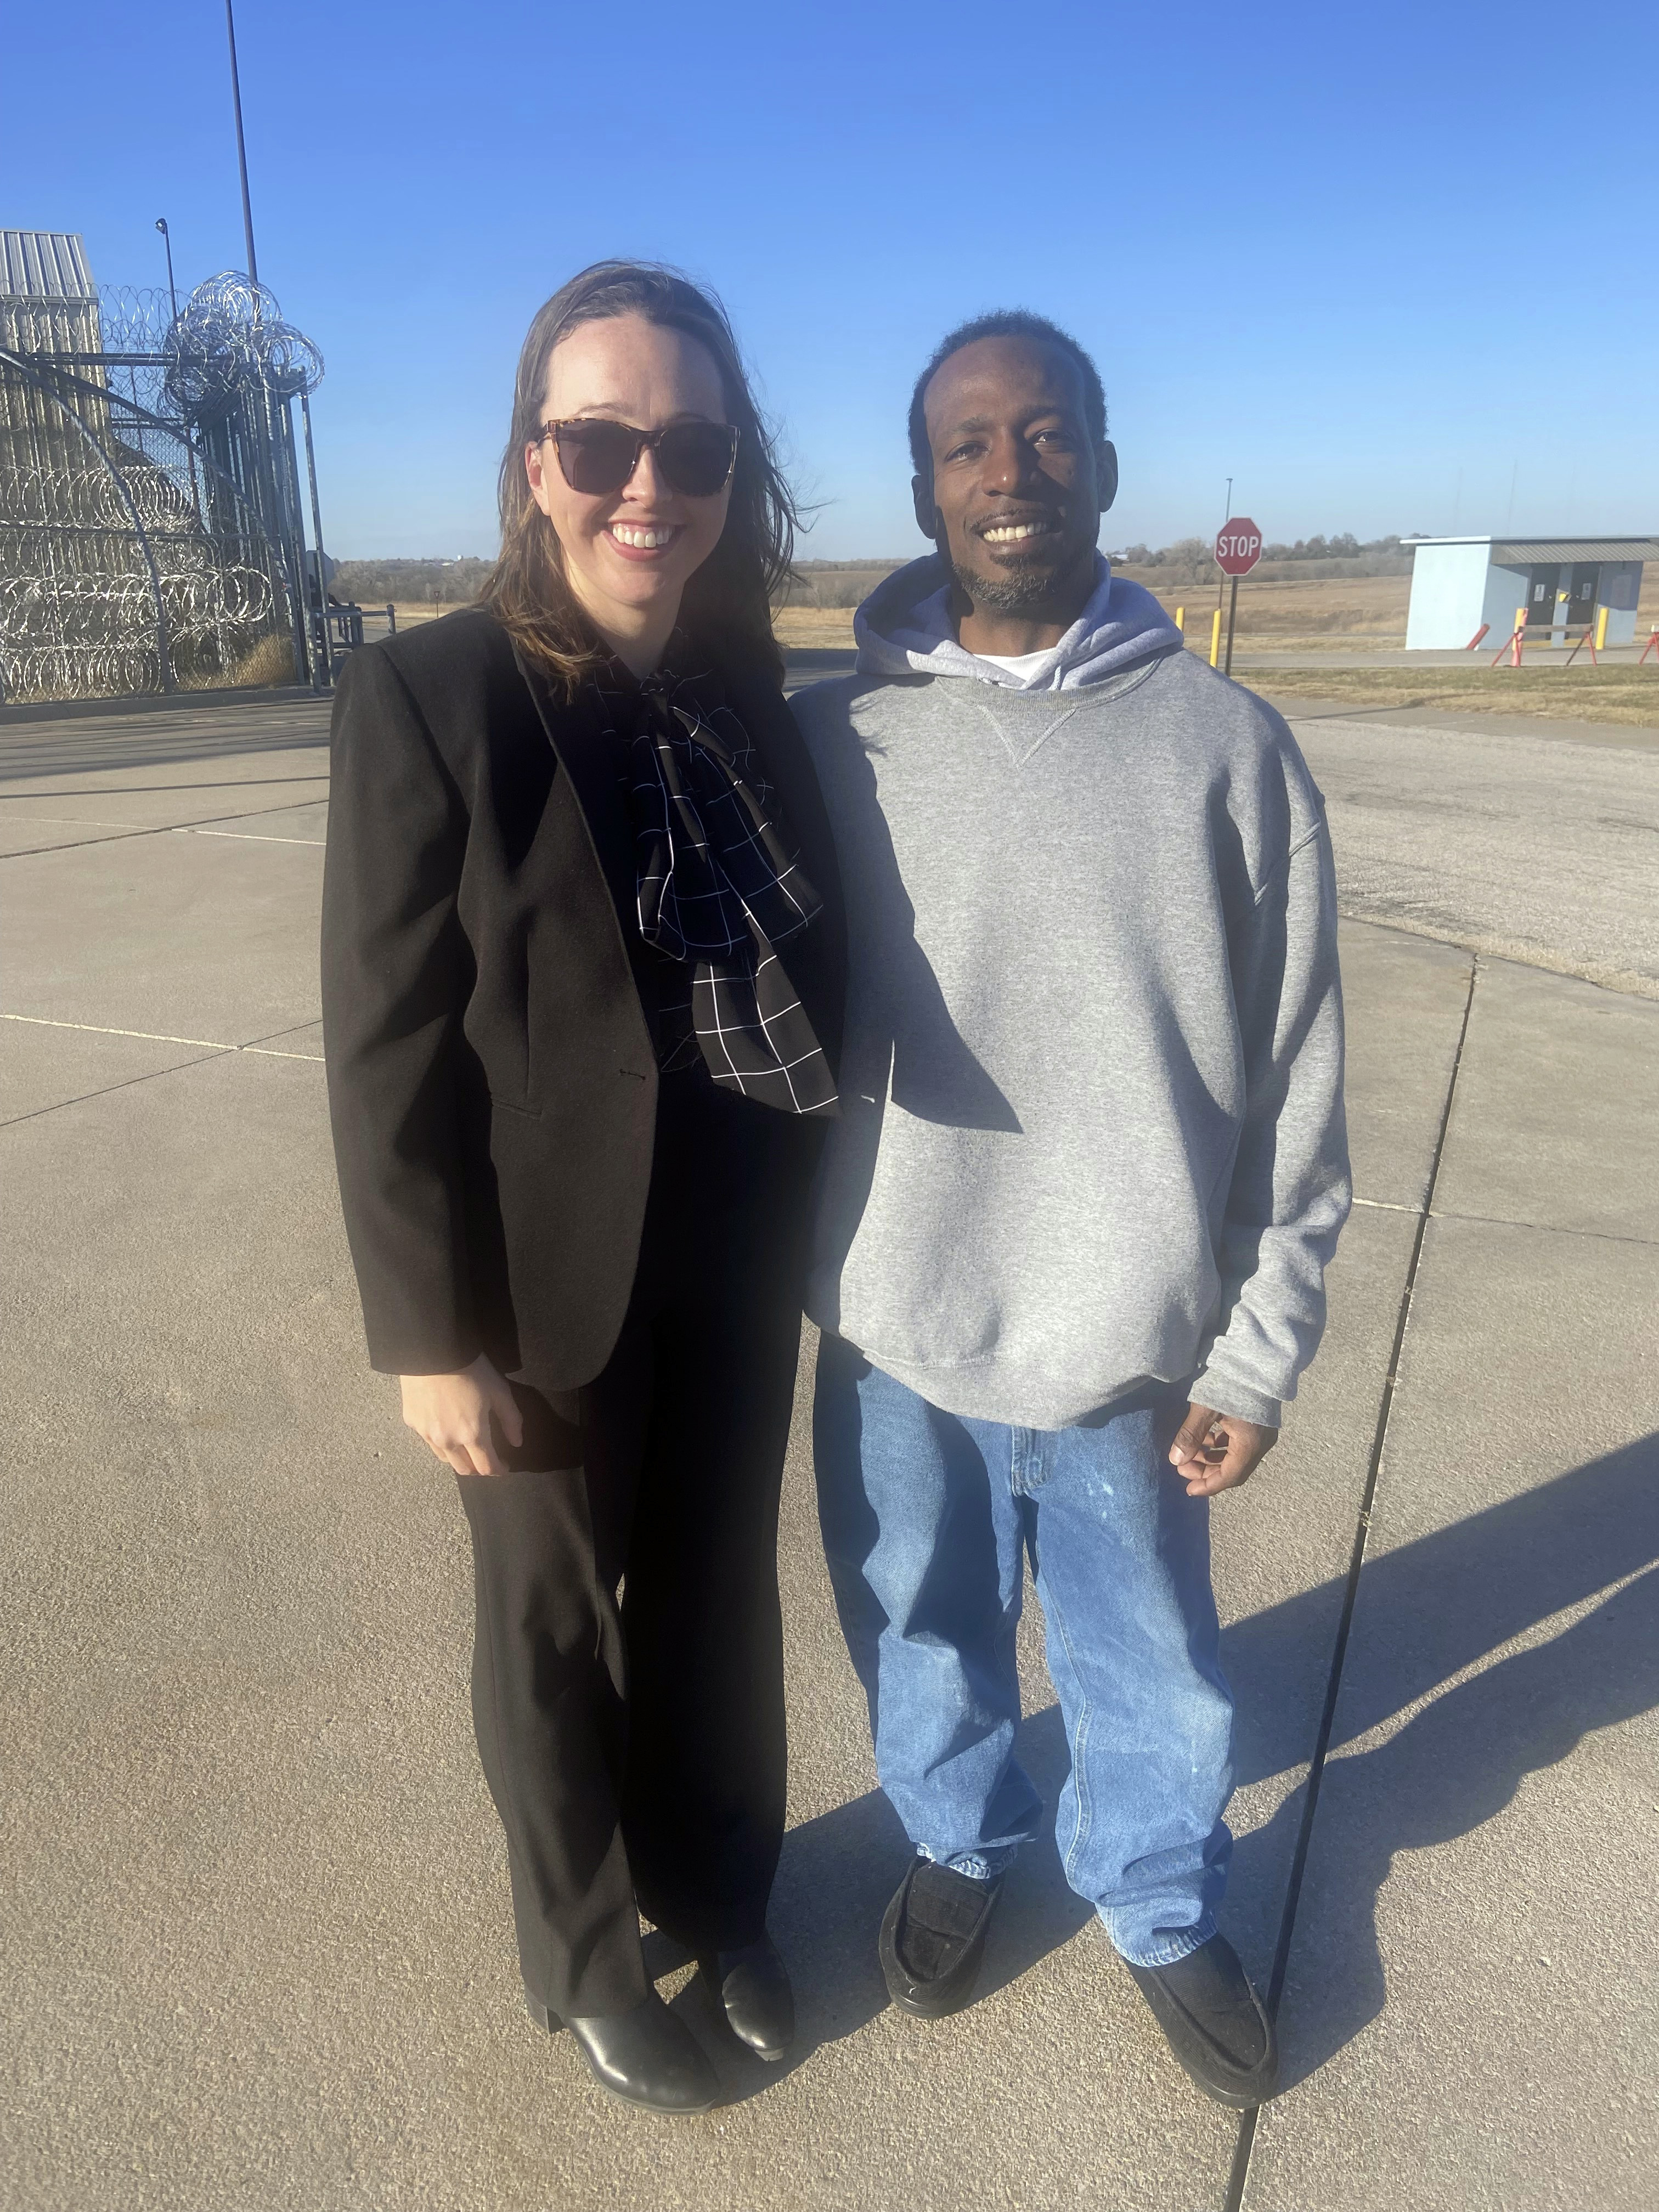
241	147
167	241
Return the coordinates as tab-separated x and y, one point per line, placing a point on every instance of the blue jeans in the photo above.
925	1517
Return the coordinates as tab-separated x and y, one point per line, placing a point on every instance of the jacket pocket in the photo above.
512	1106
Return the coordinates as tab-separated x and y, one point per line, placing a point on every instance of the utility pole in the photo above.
1221	581
241	147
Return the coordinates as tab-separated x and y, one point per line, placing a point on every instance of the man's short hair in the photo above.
1005	323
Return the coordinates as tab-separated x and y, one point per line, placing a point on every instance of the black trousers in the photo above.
634	1743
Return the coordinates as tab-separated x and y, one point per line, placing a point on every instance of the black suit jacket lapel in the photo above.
585	752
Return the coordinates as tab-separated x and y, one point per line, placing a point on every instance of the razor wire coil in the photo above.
149	522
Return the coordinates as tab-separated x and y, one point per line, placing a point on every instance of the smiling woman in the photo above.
634	366
581	984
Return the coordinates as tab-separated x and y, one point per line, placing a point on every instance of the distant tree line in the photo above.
832	583
1189	561
845	583
1343	547
408	583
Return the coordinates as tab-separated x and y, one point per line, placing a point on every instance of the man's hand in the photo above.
451	1413
1216	1451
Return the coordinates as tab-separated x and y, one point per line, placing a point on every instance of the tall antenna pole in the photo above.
241	147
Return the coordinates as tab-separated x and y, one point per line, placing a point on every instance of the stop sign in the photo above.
1238	546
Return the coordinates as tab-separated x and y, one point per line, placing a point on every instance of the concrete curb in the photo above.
149	702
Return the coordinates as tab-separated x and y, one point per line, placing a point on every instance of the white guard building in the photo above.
1459	583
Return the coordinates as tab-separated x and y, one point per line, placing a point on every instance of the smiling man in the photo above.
1089	1169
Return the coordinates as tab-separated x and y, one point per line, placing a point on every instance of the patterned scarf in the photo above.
720	888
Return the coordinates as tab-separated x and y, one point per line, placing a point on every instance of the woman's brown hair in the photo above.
727	600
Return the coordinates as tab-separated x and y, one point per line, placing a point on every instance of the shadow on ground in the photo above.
1429	1610
1459	1763
1437	1605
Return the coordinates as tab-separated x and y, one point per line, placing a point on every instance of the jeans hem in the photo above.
1168	1945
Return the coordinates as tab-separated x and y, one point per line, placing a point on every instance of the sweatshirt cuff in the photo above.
1223	1396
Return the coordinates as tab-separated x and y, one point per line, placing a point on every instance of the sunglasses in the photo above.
596	456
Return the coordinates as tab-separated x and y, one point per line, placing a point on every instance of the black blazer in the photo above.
489	1008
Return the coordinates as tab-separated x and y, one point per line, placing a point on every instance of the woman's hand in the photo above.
451	1413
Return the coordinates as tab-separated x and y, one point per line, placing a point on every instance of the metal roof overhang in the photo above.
45	264
1527	552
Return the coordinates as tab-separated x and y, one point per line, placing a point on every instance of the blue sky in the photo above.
1377	265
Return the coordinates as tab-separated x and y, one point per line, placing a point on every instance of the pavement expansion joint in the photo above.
156	1037
73	788
151	1075
211	1050
68	821
100	1029
1238	2180
250	836
1504	1221
176	829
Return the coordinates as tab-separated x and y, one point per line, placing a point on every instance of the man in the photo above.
1091	1167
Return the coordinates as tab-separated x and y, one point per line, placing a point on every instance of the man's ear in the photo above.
928	521
1106	473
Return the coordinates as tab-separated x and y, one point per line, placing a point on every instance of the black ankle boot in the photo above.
647	2056
752	1987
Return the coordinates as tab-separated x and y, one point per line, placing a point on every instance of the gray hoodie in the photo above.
1092	1092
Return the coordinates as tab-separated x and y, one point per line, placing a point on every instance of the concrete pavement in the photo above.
1539	848
256	1935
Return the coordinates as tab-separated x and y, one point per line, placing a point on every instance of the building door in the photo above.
1582	608
1540	597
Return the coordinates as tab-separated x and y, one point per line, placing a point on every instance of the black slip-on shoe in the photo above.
1215	2023
648	2057
932	1938
751	1987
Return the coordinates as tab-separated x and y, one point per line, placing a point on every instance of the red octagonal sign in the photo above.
1238	546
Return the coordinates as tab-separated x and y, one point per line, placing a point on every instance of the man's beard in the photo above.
1017	590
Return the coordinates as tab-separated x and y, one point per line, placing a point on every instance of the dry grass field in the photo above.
1364	612
1361	615
1358	614
1622	693
827	627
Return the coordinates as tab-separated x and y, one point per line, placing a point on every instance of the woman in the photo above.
583	972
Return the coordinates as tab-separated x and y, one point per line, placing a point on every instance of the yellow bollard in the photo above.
1215	639
1602	614
1181	621
1520	642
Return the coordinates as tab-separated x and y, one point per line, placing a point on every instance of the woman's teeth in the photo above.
644	541
1009	533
